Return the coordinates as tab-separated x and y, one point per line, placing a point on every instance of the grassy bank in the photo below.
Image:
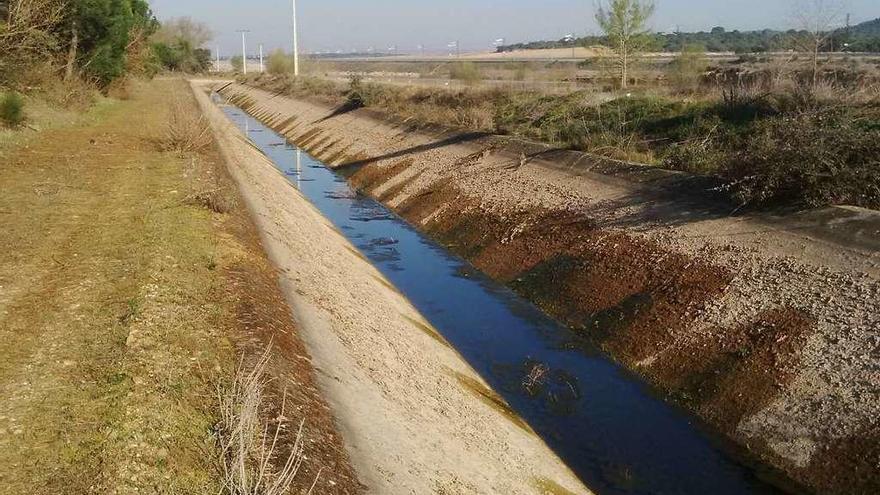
111	345
787	146
128	278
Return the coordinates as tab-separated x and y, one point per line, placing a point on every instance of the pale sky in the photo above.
360	24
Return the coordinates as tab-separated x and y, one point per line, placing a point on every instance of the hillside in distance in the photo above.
864	37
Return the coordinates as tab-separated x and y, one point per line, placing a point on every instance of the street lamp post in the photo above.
243	51
295	44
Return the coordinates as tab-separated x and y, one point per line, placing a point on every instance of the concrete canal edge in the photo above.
413	414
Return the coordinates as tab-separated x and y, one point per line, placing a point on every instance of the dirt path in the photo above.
123	304
416	417
765	326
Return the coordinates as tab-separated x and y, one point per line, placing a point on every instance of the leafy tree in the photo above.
816	18
181	57
102	32
177	46
624	23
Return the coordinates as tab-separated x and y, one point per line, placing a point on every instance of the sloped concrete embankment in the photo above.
764	326
415	417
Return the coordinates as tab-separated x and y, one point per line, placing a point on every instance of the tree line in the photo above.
864	37
97	41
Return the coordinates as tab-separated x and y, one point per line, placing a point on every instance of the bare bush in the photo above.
186	131
737	92
28	33
817	19
249	449
183	30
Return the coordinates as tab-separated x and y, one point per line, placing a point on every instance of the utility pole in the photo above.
262	67
569	38
295	44
243	51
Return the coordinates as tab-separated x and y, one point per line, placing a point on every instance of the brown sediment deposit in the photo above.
763	324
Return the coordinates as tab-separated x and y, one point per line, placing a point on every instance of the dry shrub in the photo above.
187	129
72	94
813	159
279	63
218	200
251	461
688	68
297	87
479	118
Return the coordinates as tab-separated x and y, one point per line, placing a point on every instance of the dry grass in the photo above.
249	445
186	130
114	315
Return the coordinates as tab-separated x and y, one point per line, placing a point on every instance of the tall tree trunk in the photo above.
623	72
71	54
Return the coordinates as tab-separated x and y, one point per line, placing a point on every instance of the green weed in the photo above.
11	109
